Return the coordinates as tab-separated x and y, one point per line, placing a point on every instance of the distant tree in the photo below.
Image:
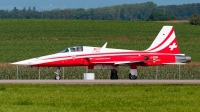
194	19
14	13
34	9
29	9
15	9
3	14
182	12
24	9
141	11
159	16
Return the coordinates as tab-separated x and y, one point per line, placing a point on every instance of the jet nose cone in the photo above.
20	63
24	62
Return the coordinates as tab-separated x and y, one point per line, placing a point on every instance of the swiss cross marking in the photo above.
73	57
96	49
173	46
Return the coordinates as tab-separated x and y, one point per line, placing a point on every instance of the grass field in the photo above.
61	29
90	98
23	39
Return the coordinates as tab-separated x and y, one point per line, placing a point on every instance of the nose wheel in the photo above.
133	73
132	77
57	77
57	74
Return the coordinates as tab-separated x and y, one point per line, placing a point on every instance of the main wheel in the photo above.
132	77
113	74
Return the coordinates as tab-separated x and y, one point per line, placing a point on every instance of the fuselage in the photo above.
89	56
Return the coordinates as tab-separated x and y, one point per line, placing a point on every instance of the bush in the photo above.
194	19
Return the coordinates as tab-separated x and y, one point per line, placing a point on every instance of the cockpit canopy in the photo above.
73	49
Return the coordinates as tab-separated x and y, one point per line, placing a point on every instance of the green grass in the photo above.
16	50
92	98
30	29
22	39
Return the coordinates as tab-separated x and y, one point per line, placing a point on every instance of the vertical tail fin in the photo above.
165	41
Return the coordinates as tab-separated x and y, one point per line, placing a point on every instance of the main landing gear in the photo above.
57	74
113	74
132	75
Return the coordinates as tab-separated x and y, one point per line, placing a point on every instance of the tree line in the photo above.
142	11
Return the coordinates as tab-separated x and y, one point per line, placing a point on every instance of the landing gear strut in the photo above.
57	76
133	73
113	74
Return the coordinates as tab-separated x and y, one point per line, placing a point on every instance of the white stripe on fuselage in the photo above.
78	55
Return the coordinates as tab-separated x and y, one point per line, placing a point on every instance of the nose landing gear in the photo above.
132	77
57	74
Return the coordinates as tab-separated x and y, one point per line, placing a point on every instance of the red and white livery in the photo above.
164	50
